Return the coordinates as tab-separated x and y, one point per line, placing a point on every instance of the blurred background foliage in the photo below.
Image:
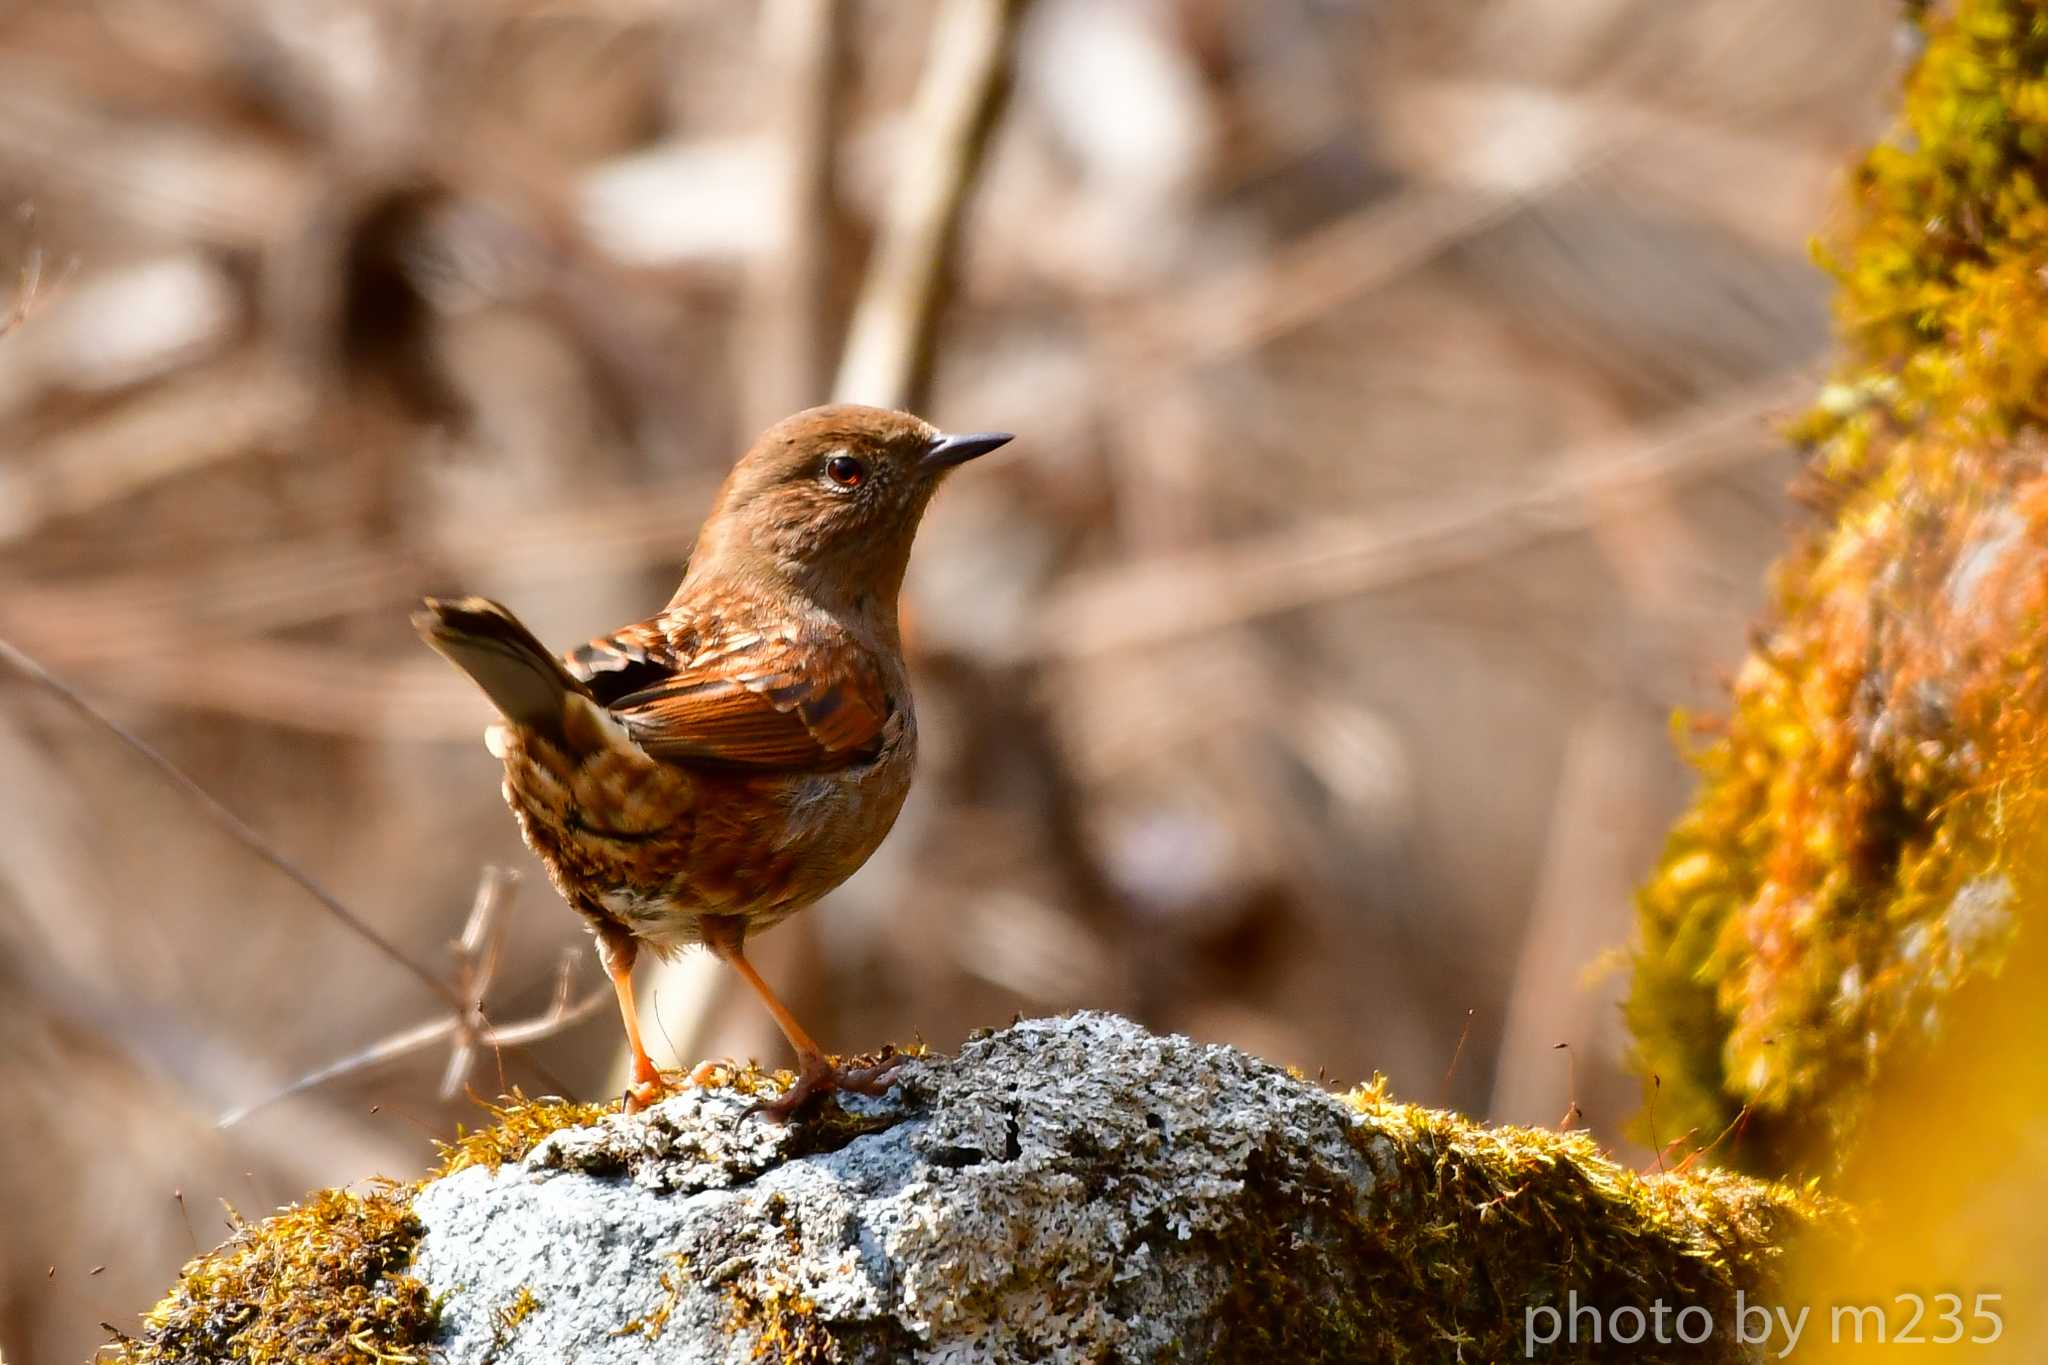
1396	386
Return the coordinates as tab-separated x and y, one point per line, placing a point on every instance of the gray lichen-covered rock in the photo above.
1059	1191
1069	1189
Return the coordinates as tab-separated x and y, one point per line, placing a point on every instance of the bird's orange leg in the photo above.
617	952
724	935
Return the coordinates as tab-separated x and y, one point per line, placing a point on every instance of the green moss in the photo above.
1472	1226
1840	874
323	1282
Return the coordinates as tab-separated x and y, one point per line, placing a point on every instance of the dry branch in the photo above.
477	953
1185	594
888	347
787	364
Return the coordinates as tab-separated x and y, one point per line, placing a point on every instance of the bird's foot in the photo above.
712	1072
819	1076
646	1089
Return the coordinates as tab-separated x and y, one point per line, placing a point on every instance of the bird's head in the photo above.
828	502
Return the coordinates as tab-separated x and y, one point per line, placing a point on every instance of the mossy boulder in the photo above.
1844	869
1066	1189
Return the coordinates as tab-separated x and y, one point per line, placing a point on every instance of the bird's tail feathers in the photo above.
523	679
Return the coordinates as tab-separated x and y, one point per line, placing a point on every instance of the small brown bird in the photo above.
716	768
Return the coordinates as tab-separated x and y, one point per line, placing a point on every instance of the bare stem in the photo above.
233	825
888	347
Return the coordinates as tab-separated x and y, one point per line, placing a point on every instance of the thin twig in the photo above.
1735	1126
560	1013
230	823
25	290
476	952
1650	1117
476	963
1572	1112
397	1045
1456	1052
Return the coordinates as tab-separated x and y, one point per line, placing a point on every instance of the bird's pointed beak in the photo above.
946	451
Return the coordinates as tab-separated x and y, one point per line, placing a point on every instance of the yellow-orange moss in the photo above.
516	1312
781	1323
653	1323
323	1281
517	1125
1839	875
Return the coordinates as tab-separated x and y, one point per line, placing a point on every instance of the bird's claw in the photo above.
820	1077
645	1091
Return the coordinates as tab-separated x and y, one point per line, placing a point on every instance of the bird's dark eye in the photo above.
846	471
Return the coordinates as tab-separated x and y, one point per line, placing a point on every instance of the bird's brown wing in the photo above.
753	700
624	662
